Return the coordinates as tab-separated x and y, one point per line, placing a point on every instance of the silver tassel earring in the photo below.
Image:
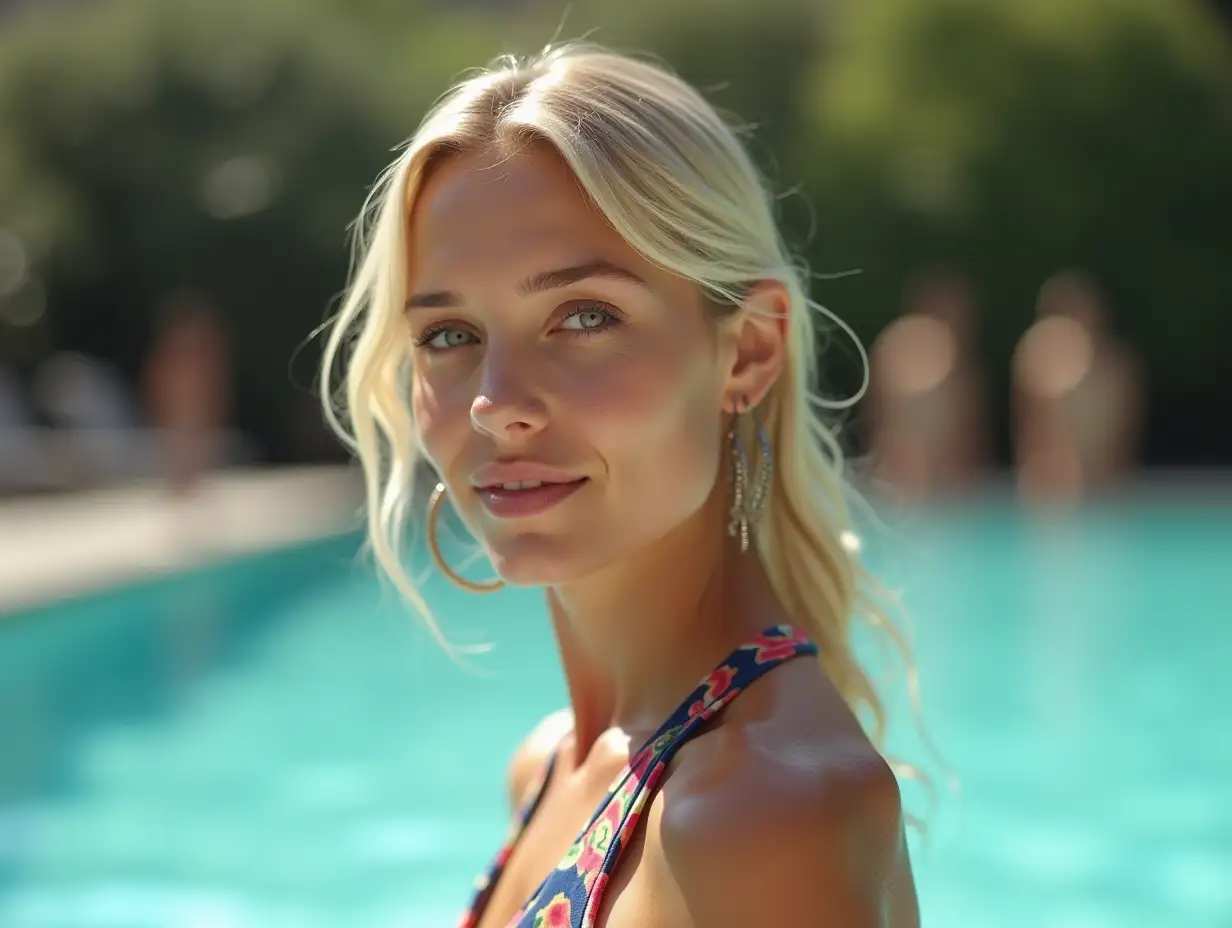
750	487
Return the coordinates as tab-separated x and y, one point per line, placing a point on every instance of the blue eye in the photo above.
589	318
445	337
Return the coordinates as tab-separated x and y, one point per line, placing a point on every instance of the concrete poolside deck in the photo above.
61	545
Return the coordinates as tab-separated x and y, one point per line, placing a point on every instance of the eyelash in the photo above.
612	317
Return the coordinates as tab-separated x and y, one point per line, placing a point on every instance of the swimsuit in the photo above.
569	896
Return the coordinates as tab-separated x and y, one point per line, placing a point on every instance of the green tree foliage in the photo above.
213	144
1011	140
148	145
1015	139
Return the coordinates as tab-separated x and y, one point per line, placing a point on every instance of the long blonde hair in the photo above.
674	180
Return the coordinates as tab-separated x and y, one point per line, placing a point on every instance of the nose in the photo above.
506	405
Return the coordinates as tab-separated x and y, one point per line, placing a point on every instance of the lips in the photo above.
520	489
520	485
515	475
504	503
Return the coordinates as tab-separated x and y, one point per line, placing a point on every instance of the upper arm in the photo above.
795	851
532	753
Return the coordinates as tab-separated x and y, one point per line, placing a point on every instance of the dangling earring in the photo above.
434	548
750	491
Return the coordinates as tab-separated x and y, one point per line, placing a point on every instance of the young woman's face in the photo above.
547	351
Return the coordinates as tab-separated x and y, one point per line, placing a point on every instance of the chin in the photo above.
539	560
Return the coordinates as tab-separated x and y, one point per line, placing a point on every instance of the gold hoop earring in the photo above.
434	548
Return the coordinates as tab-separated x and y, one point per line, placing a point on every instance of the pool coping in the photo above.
67	544
64	545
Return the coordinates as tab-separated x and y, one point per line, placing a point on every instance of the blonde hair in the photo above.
676	183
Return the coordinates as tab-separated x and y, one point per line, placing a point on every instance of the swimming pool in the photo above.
272	743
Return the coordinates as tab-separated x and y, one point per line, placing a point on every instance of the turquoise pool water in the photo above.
273	743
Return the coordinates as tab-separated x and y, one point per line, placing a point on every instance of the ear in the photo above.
759	343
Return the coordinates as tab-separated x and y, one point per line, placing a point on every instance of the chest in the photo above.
549	848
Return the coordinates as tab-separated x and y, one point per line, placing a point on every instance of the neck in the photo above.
636	637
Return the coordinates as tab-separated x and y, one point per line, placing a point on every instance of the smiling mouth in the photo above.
523	485
522	498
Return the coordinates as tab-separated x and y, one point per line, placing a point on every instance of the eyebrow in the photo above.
545	280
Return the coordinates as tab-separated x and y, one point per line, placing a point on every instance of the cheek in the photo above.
442	420
656	424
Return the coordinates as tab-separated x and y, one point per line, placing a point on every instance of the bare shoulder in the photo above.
788	833
533	752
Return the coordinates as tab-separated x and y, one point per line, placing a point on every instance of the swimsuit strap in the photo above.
570	896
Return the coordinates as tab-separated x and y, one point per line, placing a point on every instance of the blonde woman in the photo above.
572	299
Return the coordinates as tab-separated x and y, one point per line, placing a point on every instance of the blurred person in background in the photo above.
1077	400
927	407
23	462
98	427
187	389
574	268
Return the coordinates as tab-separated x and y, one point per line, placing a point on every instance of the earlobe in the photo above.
737	404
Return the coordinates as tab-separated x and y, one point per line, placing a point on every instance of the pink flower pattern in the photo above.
556	914
574	889
717	685
774	650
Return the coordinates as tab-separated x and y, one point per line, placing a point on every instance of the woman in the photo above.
187	388
573	301
1077	397
926	395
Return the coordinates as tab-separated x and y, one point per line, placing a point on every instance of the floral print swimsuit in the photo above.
569	897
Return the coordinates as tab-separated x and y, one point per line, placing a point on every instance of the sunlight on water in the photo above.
273	743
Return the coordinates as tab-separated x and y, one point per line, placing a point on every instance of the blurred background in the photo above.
212	714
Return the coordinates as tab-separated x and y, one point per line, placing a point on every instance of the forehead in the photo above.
490	209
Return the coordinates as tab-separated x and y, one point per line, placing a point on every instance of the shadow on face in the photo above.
545	349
